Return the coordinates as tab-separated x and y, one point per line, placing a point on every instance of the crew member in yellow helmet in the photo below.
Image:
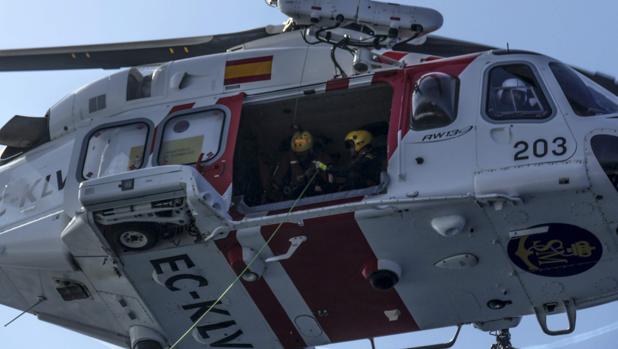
365	166
301	142
297	167
356	141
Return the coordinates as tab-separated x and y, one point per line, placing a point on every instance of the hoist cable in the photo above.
40	300
247	268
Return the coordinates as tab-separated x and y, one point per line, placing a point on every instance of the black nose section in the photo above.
605	149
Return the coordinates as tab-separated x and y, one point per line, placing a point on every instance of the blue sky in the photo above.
578	32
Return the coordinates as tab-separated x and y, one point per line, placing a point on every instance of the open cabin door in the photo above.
282	136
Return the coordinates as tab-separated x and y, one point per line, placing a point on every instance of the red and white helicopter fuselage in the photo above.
480	218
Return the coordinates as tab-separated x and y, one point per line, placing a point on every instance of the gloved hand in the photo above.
320	166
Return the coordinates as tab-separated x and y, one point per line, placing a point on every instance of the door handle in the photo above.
501	135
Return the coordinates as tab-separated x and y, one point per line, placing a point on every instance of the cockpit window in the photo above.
190	137
515	93
585	96
114	150
434	101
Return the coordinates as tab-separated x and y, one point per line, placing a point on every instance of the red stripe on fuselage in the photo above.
154	140
220	173
249	61
180	107
396	55
327	271
268	304
337	84
396	79
403	90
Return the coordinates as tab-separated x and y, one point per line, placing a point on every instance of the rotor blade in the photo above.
112	56
607	81
25	132
446	47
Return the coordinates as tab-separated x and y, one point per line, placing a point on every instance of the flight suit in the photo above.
363	170
295	170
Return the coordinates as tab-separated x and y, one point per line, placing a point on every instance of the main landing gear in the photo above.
503	340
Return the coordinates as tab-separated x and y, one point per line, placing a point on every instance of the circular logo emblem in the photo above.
555	250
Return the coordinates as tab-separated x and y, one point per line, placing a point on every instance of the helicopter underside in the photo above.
337	270
511	258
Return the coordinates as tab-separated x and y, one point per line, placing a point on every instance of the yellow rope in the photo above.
247	268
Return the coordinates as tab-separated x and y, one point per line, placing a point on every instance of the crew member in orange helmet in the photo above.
298	166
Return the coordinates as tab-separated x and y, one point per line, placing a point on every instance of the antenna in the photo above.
40	300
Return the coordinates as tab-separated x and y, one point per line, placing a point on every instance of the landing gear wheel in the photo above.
137	238
503	340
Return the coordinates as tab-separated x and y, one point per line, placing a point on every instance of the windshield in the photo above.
585	96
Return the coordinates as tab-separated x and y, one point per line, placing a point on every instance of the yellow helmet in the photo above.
301	141
359	138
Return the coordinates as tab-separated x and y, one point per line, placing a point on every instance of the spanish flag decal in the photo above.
248	70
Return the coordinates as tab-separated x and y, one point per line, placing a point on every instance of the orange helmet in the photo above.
302	141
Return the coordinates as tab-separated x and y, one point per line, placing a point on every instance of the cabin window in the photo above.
117	149
190	137
281	141
585	96
434	101
514	92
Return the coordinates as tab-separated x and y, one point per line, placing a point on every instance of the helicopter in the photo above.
93	260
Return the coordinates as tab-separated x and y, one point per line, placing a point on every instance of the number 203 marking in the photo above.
540	148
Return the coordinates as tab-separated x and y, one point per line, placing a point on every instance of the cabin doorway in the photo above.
282	139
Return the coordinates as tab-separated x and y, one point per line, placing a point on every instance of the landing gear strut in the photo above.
503	340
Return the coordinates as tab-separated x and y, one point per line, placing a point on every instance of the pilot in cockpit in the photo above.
516	96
